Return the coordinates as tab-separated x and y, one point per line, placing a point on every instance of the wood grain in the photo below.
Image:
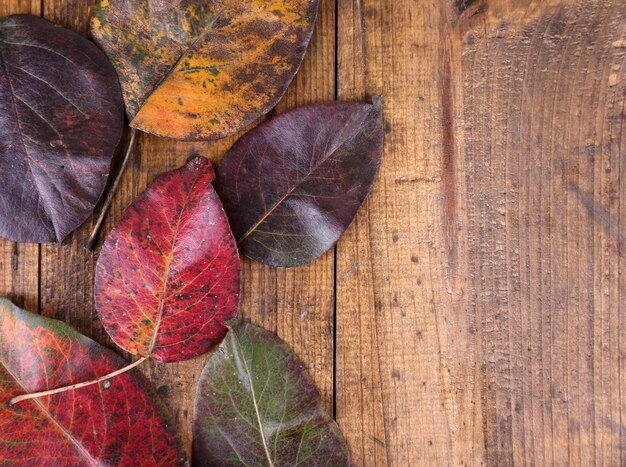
405	381
543	107
478	294
14	7
486	271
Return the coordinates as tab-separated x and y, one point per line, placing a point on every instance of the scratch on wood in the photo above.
599	214
378	441
416	180
448	148
353	270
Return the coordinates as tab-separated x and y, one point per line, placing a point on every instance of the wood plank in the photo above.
543	89
405	381
298	303
19	262
14	7
478	316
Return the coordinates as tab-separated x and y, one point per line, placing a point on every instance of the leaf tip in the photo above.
91	244
198	162
377	101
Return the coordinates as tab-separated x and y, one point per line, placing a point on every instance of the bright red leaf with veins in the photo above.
168	275
116	422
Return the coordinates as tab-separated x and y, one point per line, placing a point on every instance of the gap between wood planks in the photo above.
334	402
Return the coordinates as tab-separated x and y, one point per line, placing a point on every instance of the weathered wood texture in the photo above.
477	296
479	308
540	94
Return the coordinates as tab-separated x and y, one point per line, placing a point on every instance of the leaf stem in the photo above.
93	239
50	392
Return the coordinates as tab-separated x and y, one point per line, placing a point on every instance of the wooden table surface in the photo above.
473	312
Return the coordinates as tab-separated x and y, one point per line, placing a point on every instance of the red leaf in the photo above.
115	422
168	275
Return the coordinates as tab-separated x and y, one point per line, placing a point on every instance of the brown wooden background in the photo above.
473	313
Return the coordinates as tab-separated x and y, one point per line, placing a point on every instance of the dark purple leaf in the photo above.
61	117
292	186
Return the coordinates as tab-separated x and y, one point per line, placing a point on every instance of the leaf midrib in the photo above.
187	49
168	262
254	401
295	186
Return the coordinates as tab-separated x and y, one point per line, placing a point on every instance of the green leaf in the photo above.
256	405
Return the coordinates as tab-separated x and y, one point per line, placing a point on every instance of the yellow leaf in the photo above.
194	69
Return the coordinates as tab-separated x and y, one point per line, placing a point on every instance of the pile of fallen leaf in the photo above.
168	276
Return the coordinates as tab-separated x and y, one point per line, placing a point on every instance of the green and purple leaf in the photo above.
256	405
61	117
292	186
168	275
117	422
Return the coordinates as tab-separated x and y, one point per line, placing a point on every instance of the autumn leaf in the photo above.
61	117
293	185
116	422
193	69
168	275
256	405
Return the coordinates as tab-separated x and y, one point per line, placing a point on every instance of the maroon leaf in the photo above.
168	275
117	422
292	185
61	116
